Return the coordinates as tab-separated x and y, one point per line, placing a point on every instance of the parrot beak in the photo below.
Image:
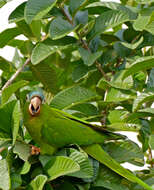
34	106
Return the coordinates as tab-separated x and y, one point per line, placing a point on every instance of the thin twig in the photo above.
85	45
16	74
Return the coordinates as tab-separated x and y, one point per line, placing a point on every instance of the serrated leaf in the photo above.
16	121
36	9
7	92
89	58
46	75
72	96
142	98
143	63
59	165
17	14
37	183
107	20
86	169
7	35
59	28
4	175
48	47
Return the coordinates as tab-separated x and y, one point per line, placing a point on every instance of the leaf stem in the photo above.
16	74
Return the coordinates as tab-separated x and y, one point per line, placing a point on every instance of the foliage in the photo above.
94	60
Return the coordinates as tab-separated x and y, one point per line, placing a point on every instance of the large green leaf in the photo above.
4	175
75	5
99	154
125	151
116	82
114	6
46	75
48	47
59	165
116	95
37	183
142	98
17	14
110	180
16	121
8	35
7	92
89	58
107	20
6	118
143	63
36	9
5	65
143	19
86	169
22	150
72	96
59	28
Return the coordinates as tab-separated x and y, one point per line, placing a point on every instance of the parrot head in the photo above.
36	98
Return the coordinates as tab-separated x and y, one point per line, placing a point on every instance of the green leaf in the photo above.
16	121
46	75
89	58
59	28
22	149
150	83
4	175
151	142
125	151
6	118
59	165
16	181
8	35
36	9
107	20
133	46
150	27
72	96
17	14
143	19
142	98
143	63
7	92
114	6
124	126
86	169
99	154
116	82
5	65
37	183
110	180
48	47
116	95
25	168
75	5
117	116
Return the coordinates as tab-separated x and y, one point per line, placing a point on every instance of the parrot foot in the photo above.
35	150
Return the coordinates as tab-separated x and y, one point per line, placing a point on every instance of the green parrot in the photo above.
51	129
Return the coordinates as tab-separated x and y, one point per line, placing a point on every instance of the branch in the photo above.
16	74
85	45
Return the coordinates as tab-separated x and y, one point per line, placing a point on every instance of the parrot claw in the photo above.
35	150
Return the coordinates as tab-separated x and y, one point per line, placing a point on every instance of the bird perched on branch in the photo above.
51	129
